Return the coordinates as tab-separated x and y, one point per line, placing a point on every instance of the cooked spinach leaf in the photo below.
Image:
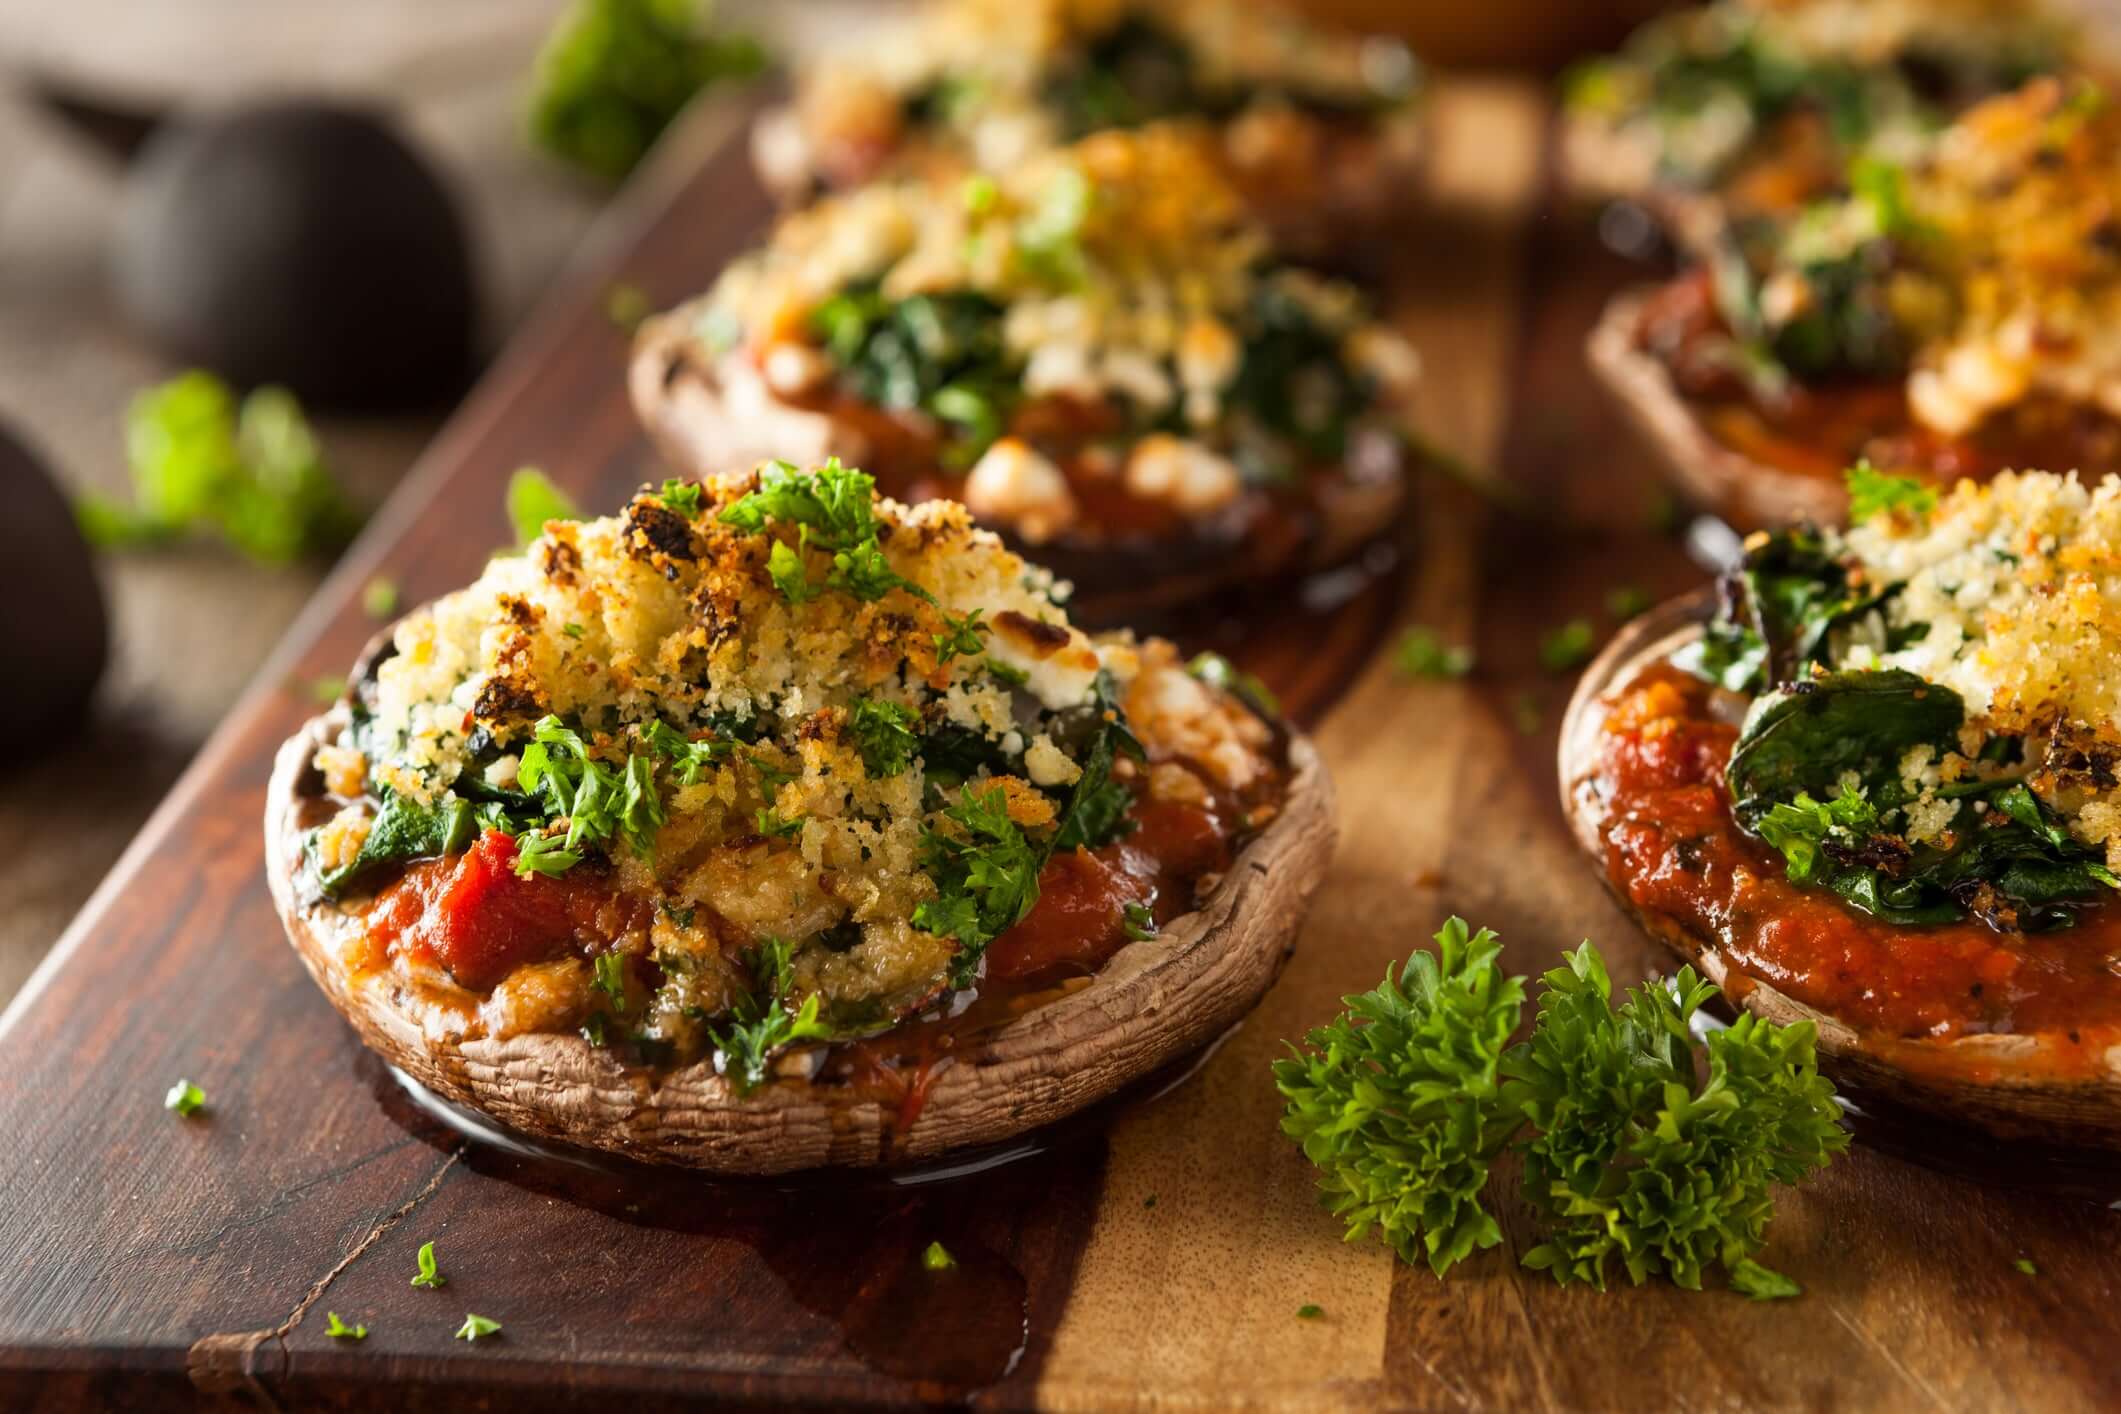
939	353
403	830
1775	612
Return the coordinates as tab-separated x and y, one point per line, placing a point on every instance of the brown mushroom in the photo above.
713	415
1748	492
1997	1082
1153	1002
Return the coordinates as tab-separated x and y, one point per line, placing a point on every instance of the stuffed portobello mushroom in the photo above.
1754	107
1320	130
1949	318
1876	780
1099	354
774	824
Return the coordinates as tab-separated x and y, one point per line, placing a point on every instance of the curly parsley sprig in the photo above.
1631	1154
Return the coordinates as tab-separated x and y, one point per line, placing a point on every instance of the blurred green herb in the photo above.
1567	647
534	500
614	73
937	1258
1423	654
428	1275
339	1330
185	1098
626	305
477	1327
1625	602
250	472
379	598
1310	1312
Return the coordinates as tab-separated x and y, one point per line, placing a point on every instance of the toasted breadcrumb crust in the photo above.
662	615
2018	582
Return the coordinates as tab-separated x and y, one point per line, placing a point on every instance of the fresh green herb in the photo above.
684	497
883	734
1567	647
1631	1154
185	1098
2025	1265
942	354
960	637
533	500
327	688
1422	654
1007	674
689	759
613	74
1399	1101
379	598
403	830
1310	1312
610	969
1757	1283
477	1327
761	1025
1140	922
1295	381
540	853
1218	672
339	1330
251	473
1625	602
833	509
428	1276
593	1028
574	631
1098	806
626	306
773	826
1776	611
597	802
985	873
937	1258
1874	493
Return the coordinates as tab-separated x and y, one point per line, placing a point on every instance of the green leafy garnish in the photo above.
833	509
939	353
1875	493
251	473
1423	654
339	1330
626	305
379	598
684	497
1310	1311
428	1276
598	802
1567	647
773	825
761	1025
185	1098
610	978
1140	922
403	830
533	500
613	74
883	734
477	1327
960	637
937	1258
1625	602
985	873
2025	1265
1220	673
688	759
541	853
1631	1155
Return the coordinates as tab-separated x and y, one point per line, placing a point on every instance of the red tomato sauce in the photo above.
1674	850
1820	429
473	915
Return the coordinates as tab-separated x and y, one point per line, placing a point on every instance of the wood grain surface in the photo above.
1156	1259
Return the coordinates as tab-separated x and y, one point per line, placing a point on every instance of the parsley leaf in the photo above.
533	500
1140	923
429	1276
1399	1102
1874	493
1220	673
985	873
403	829
477	1327
684	497
185	1098
1755	1282
761	1025
689	759
960	637
379	597
1567	647
937	1258
339	1330
883	733
251	472
540	853
598	803
1422	654
610	979
1310	1311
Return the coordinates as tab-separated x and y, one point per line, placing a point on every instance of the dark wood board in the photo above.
146	1260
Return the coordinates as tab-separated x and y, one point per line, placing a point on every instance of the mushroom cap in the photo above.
1153	1002
1998	1083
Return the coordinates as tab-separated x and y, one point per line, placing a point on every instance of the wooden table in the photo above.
1157	1260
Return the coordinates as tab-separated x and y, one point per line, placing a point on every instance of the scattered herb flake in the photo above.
326	689
1625	602
625	305
477	1327
1140	922
1310	1312
2025	1265
1873	492
379	598
428	1276
1567	647
1422	654
339	1330
1150	1201
610	979
1525	712
185	1098
572	630
1757	1283
937	1258
533	500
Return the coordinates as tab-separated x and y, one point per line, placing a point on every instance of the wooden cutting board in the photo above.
1155	1257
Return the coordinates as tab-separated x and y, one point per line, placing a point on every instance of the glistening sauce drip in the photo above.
1820	429
1673	848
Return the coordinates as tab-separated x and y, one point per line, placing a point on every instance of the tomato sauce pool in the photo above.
1674	850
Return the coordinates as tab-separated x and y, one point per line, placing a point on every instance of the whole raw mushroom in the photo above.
304	244
51	607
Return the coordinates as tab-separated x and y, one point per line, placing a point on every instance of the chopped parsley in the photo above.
598	802
883	734
539	853
1423	654
761	1025
1757	1283
572	630
477	1327
610	968
379	598
774	826
1567	647
832	509
339	1330
1626	602
533	500
1310	1311
625	305
985	873
1140	922
684	497
428	1276
960	637
185	1098
1007	673
937	1258
1875	493
2025	1265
